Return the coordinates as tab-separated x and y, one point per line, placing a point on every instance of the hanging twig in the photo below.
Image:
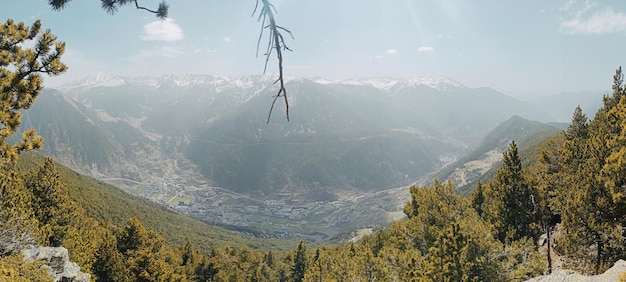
276	42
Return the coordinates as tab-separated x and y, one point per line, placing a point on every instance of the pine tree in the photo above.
548	180
52	206
20	85
450	258
549	175
317	271
61	221
300	263
21	82
147	256
441	229
191	259
615	167
512	203
18	226
578	126
13	268
574	151
205	271
477	197
109	265
593	212
132	237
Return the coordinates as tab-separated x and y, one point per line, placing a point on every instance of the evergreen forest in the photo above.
572	199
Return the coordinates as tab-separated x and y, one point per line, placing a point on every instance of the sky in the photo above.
522	48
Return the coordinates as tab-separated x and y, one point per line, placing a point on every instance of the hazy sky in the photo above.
517	47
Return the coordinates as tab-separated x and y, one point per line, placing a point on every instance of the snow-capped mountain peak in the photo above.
441	83
436	82
219	83
383	83
95	80
245	83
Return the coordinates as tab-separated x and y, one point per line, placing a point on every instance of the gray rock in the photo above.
57	261
610	275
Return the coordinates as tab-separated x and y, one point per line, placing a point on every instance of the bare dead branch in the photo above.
266	16
258	43
13	237
276	43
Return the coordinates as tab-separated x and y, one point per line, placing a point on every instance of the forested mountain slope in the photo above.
481	162
110	205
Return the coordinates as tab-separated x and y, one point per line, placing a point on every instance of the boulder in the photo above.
563	275
57	262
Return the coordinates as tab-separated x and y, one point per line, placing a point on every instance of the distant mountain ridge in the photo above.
356	134
167	80
441	83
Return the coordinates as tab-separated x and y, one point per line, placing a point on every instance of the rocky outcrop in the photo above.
58	263
610	275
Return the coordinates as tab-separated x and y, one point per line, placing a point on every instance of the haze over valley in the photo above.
200	143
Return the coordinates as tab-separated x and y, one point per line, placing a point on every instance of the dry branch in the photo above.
276	42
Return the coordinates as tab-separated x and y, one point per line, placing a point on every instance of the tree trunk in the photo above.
547	224
599	257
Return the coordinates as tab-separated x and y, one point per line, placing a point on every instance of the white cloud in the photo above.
378	57
391	52
162	30
425	49
601	22
227	39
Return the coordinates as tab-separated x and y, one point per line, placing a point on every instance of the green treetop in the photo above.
512	203
21	81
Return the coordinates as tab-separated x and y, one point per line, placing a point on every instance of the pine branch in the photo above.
111	6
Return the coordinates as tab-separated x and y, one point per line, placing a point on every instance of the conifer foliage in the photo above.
512	202
21	82
580	176
489	236
594	212
20	85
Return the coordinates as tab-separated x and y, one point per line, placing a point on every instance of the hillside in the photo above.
481	162
109	204
75	135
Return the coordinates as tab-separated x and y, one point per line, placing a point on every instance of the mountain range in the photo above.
348	135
